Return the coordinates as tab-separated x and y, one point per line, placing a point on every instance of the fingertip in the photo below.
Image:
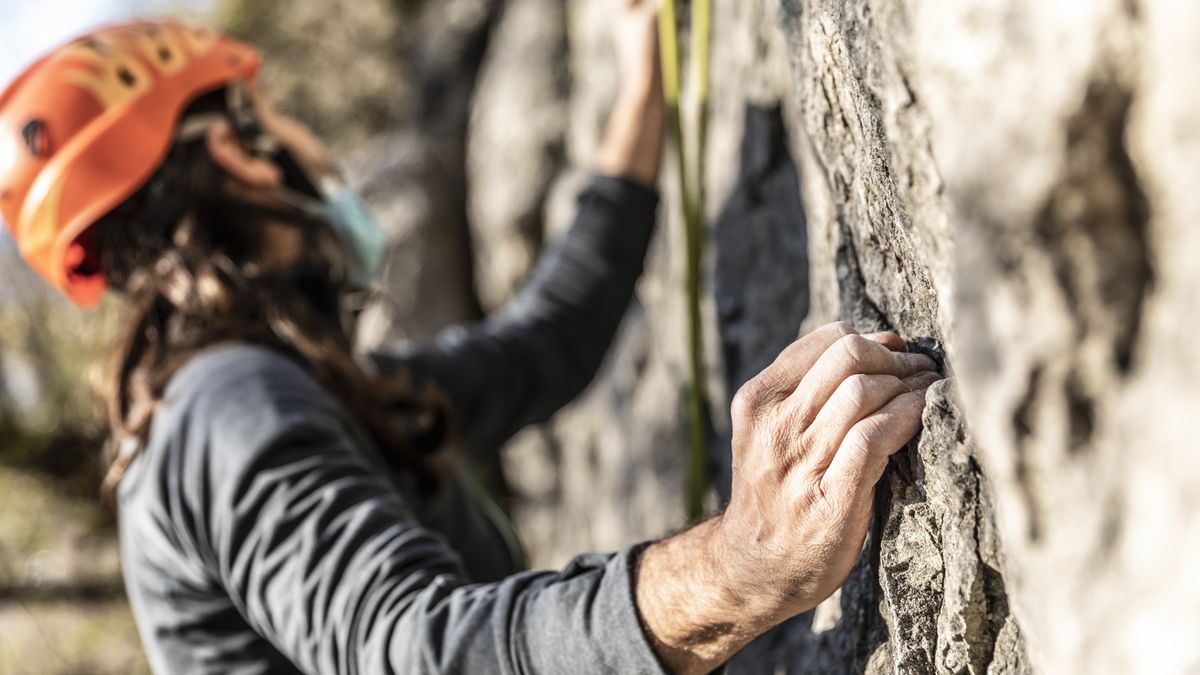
904	415
915	363
922	380
918	406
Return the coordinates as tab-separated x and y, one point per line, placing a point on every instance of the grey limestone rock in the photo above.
1009	177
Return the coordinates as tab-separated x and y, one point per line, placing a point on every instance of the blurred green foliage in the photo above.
51	366
56	536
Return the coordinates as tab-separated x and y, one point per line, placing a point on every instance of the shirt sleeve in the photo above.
522	365
322	557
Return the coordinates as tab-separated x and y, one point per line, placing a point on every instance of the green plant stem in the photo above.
691	178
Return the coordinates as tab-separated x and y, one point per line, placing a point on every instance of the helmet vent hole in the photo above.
94	45
37	141
127	77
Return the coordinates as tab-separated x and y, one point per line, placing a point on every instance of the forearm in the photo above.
633	144
546	345
696	610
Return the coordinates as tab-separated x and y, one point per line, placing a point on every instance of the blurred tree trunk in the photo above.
416	174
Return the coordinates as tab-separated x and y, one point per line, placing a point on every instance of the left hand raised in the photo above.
635	39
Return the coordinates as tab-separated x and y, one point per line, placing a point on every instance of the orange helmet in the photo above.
86	126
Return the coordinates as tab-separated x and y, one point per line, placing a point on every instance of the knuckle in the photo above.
857	390
841	328
858	442
791	353
856	352
829	501
863	437
748	400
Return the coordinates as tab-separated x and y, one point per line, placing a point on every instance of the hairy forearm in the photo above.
697	611
633	144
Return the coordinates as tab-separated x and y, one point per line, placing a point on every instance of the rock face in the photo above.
1009	183
929	593
1009	178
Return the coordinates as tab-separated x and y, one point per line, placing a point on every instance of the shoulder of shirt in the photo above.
221	411
227	403
239	370
240	394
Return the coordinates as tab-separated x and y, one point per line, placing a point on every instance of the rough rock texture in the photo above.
984	177
928	595
1075	300
1017	180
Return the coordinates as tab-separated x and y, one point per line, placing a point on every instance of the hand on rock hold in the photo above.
811	436
632	146
635	41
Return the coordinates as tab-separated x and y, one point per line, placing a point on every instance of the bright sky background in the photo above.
30	28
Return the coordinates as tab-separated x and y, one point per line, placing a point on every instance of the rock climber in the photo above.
287	505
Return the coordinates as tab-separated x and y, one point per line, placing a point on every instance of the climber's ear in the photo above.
227	151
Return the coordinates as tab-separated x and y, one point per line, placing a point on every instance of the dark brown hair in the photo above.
184	252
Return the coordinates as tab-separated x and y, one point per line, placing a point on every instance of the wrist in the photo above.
697	606
759	583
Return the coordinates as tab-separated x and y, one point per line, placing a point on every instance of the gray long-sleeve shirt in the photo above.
261	531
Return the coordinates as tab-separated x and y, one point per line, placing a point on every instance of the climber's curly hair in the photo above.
184	253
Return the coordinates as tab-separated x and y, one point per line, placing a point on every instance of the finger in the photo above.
778	380
856	398
863	455
850	355
888	339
